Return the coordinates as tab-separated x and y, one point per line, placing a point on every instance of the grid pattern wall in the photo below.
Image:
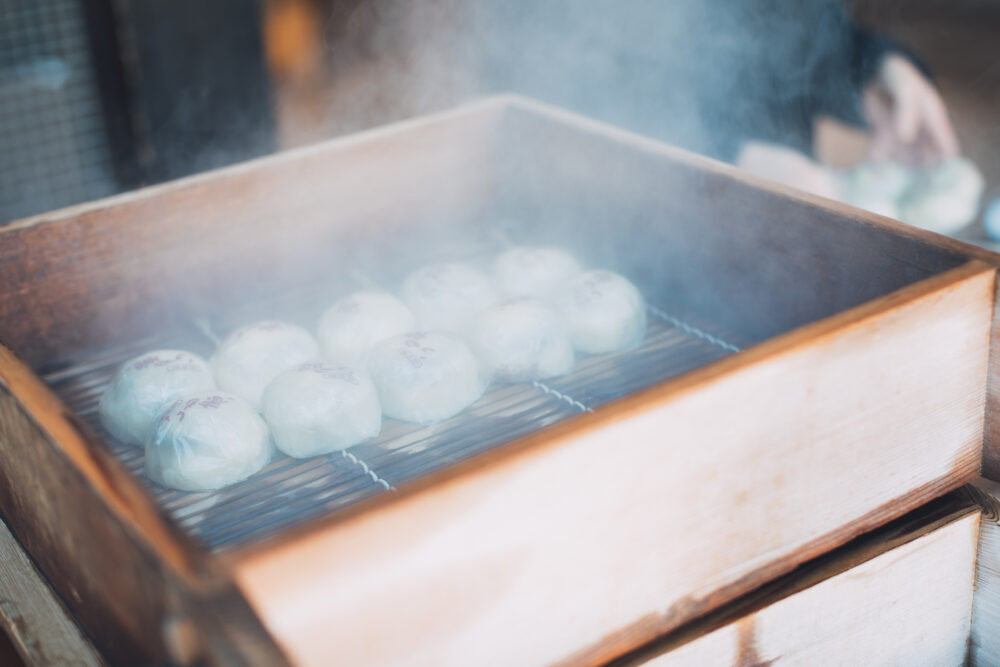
53	143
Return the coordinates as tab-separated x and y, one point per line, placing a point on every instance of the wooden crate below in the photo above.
984	642
901	595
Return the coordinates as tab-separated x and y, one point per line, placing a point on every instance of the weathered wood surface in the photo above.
33	616
984	644
121	569
593	522
991	438
899	596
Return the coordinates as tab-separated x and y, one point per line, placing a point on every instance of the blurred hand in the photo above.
908	119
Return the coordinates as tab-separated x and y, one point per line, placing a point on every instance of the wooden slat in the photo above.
34	617
984	644
899	596
991	438
693	478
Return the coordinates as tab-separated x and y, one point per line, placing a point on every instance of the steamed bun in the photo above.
252	356
206	441
447	296
943	198
147	384
604	312
350	327
529	271
425	377
318	408
521	341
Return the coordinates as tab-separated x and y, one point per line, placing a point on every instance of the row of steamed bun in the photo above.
420	358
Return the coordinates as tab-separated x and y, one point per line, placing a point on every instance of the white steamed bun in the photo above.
147	384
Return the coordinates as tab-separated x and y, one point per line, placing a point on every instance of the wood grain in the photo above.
991	438
900	595
455	566
984	643
34	617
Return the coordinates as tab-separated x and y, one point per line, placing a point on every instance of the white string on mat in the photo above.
368	471
693	330
561	396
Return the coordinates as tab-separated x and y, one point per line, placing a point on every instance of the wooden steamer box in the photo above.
811	372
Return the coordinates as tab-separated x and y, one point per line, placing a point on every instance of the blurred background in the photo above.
98	97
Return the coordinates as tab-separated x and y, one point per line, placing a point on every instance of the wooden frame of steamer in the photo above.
457	561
